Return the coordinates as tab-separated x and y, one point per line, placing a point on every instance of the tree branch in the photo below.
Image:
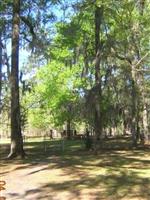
30	25
139	62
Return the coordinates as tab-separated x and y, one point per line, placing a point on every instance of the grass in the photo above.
77	174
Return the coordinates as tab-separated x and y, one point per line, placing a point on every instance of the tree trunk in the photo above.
134	107
145	119
98	48
144	111
68	129
0	72
16	136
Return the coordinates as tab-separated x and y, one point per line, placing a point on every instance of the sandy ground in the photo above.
119	175
45	182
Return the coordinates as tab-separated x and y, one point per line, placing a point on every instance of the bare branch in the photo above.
139	62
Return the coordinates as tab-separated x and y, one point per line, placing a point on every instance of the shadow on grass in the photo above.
74	154
117	173
109	186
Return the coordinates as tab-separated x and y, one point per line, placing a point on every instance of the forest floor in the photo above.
75	174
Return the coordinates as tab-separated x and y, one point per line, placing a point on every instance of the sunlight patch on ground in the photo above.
77	175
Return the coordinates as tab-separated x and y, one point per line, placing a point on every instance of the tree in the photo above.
132	53
98	49
54	97
16	136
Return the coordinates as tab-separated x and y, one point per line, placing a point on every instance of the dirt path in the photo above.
43	181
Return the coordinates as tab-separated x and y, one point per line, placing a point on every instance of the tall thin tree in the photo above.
16	136
98	48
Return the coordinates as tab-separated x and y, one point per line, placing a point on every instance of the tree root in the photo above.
13	155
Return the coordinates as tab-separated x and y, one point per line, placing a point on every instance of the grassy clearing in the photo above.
75	173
